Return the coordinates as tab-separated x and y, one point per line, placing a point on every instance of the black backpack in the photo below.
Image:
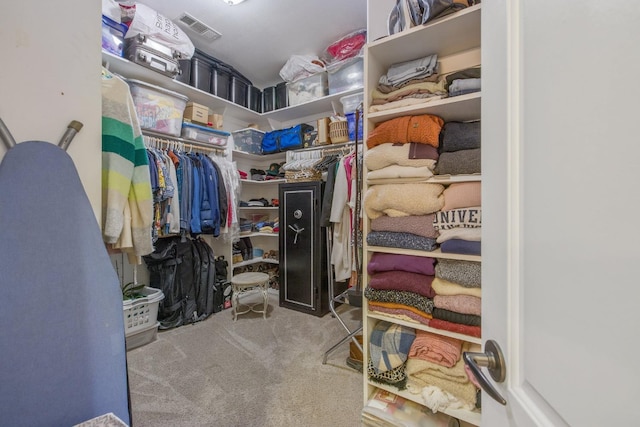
171	270
205	282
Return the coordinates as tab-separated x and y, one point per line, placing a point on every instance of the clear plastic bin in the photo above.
351	102
308	89
346	75
248	140
205	134
158	109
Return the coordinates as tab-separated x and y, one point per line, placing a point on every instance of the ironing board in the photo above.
62	338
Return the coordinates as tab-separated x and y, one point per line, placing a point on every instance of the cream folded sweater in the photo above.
403	199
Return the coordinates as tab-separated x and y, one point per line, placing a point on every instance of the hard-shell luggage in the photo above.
152	54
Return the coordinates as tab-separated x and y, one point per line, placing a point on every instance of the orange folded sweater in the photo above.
423	129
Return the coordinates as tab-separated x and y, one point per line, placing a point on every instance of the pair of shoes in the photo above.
275	202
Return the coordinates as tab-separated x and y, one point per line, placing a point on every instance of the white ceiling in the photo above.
259	36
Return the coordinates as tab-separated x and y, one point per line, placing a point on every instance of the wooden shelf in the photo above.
442	36
255	261
259	208
295	114
420	326
461	108
472	417
267	182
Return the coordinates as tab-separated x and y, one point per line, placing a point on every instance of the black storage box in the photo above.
268	99
185	71
239	89
254	99
282	95
201	74
221	81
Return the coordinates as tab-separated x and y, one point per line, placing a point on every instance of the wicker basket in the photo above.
303	175
339	132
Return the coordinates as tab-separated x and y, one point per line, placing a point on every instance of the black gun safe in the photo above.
303	249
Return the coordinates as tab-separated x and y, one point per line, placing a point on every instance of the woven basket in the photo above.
303	175
339	132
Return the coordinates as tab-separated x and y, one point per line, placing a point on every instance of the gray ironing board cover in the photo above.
61	319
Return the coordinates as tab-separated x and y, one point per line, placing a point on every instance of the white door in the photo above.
561	201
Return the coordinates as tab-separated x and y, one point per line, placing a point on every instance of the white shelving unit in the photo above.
456	40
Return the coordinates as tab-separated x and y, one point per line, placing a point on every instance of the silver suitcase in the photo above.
152	54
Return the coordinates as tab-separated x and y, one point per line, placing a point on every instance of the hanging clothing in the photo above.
127	205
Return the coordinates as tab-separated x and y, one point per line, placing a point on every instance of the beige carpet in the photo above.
252	372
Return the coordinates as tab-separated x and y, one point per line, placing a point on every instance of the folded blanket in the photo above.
463	273
459	163
465	304
465	85
403	312
467	73
445	287
404	71
388	154
403	281
380	262
462	195
453	317
410	90
458	136
400	172
470	234
472	331
401	297
410	311
389	345
463	217
396	377
435	348
405	102
389	88
424	128
462	247
421	225
389	239
403	199
454	380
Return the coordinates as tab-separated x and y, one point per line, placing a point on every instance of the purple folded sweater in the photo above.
387	262
403	281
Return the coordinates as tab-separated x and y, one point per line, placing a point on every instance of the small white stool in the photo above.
241	283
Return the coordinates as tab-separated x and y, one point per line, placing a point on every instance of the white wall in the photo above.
50	75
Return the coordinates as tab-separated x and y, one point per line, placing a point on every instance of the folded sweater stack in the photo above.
457	300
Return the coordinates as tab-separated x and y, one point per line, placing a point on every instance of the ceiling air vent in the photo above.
199	27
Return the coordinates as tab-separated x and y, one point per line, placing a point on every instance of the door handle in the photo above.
493	360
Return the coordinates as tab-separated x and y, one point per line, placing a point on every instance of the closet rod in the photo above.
184	142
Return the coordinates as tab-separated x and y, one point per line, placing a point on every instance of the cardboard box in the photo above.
215	121
196	113
323	131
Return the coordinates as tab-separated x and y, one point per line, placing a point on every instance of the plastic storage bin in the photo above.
142	313
158	109
248	140
346	75
351	125
200	74
254	99
351	102
308	89
113	36
221	81
205	134
143	337
268	99
239	88
282	95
